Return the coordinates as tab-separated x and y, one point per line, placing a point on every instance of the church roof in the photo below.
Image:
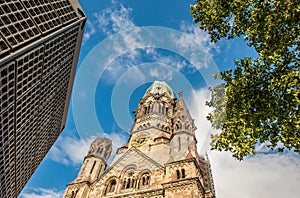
160	87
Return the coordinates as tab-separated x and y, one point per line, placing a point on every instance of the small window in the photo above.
129	183
145	179
100	150
111	186
93	167
182	173
73	195
178	174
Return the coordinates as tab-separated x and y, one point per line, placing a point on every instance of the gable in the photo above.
131	158
135	156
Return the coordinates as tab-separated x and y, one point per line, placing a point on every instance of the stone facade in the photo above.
159	160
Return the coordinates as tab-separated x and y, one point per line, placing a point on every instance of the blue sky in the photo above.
126	46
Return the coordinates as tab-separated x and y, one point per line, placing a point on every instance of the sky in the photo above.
126	46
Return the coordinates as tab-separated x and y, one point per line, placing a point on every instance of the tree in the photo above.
259	99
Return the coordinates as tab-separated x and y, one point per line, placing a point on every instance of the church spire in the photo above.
183	141
182	117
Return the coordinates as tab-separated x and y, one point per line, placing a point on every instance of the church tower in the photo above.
93	166
159	160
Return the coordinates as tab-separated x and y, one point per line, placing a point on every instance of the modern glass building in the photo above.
39	47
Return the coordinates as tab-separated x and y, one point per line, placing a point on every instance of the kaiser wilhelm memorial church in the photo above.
159	160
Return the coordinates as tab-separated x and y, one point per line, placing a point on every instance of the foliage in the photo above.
259	100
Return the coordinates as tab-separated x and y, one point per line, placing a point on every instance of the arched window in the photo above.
128	177
151	108
145	179
111	186
128	183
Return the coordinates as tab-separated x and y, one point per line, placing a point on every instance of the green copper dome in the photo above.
160	88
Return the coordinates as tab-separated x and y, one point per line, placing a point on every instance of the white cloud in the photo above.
199	111
135	75
71	150
40	193
194	35
273	175
199	36
264	175
89	30
154	73
110	21
163	73
117	19
173	61
114	19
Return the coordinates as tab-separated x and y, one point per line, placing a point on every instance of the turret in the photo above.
93	166
183	142
96	160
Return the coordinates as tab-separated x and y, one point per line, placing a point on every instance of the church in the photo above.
160	159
